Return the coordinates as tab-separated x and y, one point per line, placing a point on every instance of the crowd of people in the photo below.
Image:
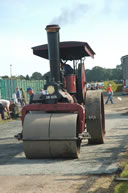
17	102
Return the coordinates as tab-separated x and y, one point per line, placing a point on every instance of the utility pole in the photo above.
10	70
11	80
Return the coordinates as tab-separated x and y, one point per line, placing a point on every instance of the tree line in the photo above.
95	74
100	74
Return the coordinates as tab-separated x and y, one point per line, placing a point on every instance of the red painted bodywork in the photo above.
59	107
71	83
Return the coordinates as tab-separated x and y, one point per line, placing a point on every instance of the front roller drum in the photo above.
50	135
95	118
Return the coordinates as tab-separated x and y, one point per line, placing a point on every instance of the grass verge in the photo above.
123	186
5	121
11	119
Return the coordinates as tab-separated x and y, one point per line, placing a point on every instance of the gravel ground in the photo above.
93	172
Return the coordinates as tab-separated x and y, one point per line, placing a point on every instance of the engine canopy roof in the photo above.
69	50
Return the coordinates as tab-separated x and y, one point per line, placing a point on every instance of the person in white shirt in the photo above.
5	104
14	98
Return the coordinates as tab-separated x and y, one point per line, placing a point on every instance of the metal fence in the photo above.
8	86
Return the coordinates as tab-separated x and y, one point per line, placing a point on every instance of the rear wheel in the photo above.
95	116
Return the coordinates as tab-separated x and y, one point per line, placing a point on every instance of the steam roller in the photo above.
56	122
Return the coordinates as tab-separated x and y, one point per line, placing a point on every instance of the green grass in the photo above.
5	121
123	186
124	173
9	120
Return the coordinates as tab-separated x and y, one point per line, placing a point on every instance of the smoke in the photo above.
71	15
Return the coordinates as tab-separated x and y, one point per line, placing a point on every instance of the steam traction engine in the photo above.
55	124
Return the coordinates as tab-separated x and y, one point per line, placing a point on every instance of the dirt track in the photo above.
70	176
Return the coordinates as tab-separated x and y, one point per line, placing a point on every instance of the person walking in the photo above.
110	94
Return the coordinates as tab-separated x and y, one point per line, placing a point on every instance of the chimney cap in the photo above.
52	28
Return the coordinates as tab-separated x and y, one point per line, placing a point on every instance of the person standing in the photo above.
18	95
31	94
110	94
14	98
30	91
2	111
41	90
67	68
23	98
97	87
44	92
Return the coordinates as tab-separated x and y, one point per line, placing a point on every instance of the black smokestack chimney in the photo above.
54	51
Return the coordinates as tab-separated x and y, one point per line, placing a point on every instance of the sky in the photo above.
103	24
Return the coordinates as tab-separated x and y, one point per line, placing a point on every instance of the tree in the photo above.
46	76
119	66
13	77
102	74
21	77
96	74
117	74
27	77
4	77
36	76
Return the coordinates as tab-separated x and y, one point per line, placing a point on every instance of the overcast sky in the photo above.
101	23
